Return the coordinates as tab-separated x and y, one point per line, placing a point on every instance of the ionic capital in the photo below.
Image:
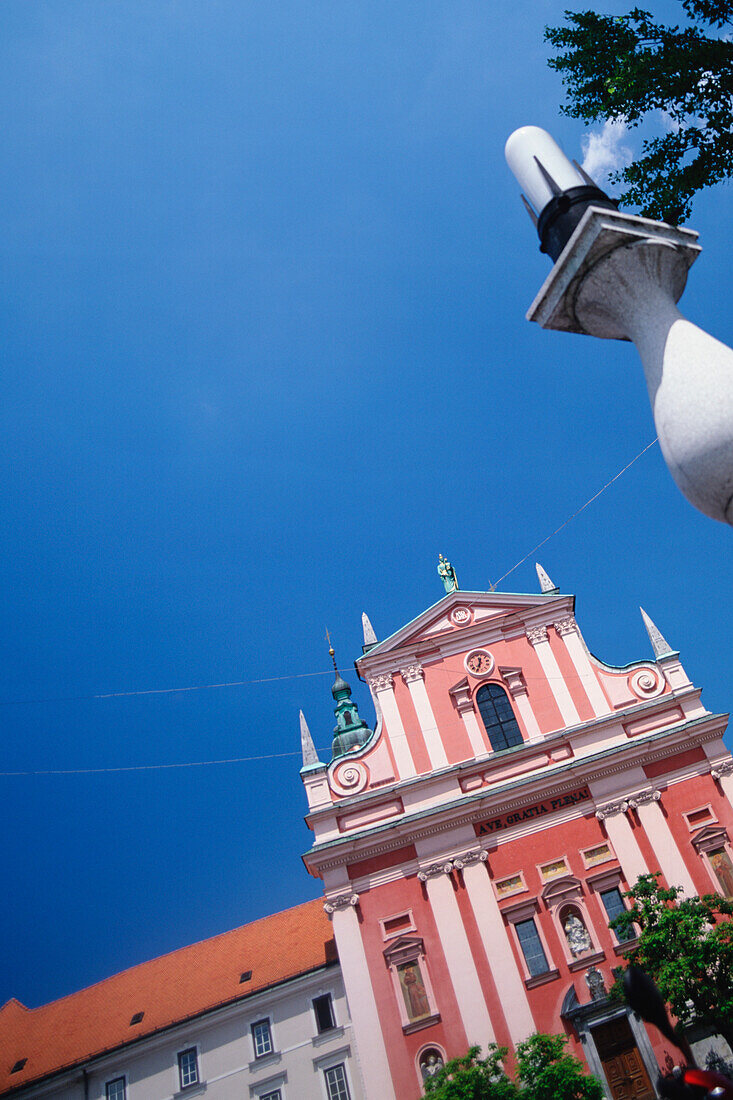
644	797
609	809
724	768
434	870
477	855
340	901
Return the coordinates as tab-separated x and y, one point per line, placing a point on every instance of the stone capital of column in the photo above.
644	797
434	870
536	635
610	809
381	682
567	625
412	672
724	768
476	855
340	901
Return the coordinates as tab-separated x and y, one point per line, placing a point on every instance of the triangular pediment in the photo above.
458	611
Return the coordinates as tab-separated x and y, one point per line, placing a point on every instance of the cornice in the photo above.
514	795
436	647
601	722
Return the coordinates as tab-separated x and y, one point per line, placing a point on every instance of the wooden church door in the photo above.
622	1064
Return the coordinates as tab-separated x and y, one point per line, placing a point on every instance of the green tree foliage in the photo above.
545	1071
548	1072
686	946
473	1078
631	68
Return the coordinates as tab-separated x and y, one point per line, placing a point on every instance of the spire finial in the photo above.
546	585
310	756
447	574
331	652
370	638
660	645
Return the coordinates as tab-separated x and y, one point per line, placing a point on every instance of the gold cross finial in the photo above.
331	651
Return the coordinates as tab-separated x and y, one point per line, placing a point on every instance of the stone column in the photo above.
537	637
567	629
495	938
384	691
457	951
413	676
620	833
659	834
371	1050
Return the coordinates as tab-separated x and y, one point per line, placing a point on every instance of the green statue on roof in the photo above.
447	574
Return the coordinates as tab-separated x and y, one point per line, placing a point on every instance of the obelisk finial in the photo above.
370	638
660	645
546	585
310	756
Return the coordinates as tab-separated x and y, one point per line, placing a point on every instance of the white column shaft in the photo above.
371	1051
473	730
495	938
659	834
557	683
397	736
626	847
461	965
427	723
526	713
585	672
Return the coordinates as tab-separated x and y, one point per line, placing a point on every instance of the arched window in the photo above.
498	717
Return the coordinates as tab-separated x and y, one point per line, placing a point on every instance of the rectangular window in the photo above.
529	941
262	1038
276	1095
336	1084
613	903
323	1008
188	1067
115	1090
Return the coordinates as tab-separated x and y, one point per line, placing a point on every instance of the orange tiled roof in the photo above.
169	989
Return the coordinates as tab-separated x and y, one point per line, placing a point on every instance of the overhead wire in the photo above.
492	587
259	680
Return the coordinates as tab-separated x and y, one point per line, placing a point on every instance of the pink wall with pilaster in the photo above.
571	677
415	739
449	1033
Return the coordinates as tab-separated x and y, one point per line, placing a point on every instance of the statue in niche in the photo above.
594	981
577	935
447	574
431	1063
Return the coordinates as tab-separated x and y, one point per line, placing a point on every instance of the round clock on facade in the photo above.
479	662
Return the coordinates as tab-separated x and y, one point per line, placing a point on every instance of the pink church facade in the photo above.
475	845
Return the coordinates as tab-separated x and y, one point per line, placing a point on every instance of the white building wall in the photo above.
228	1068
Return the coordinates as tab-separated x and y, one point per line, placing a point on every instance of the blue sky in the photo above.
264	276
